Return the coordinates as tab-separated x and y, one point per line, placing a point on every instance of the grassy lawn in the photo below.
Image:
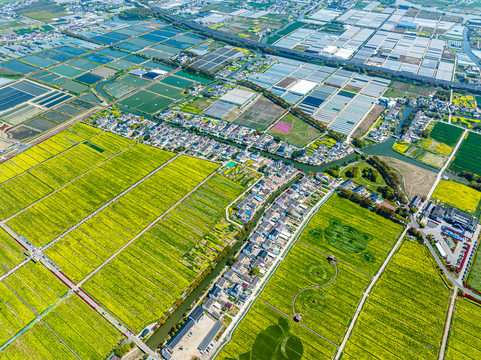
362	181
299	134
458	195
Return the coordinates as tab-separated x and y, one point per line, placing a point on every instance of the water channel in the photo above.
162	332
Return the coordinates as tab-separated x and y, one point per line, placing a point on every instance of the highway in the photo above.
311	57
40	257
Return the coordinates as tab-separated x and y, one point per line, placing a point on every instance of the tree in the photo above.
255	271
366	202
345	193
352	172
230	261
357	142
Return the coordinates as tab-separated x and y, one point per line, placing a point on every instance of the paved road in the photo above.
110	202
446	164
38	255
447	326
147	228
366	294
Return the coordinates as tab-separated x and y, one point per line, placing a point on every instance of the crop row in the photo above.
338	300
464	336
125	218
55	214
14	314
85	331
151	269
10	252
361	228
264	333
37	343
401	318
110	143
50	147
37	286
48	176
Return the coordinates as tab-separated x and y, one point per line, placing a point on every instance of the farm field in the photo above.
294	130
198	105
181	246
464	336
446	134
165	260
95	240
89	335
14	314
351	233
265	333
401	318
36	286
57	212
468	157
474	276
458	195
47	149
11	253
428	152
465	122
260	114
466	101
328	310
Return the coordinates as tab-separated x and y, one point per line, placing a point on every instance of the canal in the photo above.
162	332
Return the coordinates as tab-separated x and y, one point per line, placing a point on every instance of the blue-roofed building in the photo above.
407	25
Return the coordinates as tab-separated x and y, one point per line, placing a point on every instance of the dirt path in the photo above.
447	326
416	180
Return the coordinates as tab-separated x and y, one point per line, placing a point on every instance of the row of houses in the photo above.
277	174
265	243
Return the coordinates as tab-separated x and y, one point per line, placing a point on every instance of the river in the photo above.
162	332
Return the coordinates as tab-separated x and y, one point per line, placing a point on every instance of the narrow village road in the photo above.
447	326
110	202
367	293
147	228
227	335
446	164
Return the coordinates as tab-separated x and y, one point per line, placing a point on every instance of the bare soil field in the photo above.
415	180
368	120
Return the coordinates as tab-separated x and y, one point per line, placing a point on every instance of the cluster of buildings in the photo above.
451	215
269	238
325	154
276	174
361	191
419	123
232	289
